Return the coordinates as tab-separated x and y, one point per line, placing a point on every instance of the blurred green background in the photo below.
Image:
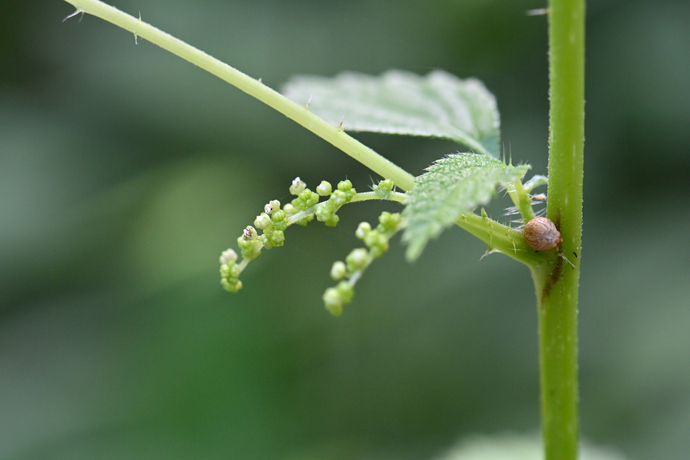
125	171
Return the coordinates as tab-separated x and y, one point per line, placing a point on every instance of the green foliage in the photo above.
452	186
436	105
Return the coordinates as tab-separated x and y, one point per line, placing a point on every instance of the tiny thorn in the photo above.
309	102
79	11
537	12
488	251
259	80
342	120
136	38
566	259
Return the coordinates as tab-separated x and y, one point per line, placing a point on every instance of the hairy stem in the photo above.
556	281
255	88
499	238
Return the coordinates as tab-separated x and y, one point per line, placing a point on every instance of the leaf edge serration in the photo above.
451	186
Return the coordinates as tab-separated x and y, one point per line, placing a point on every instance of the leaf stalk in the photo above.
255	88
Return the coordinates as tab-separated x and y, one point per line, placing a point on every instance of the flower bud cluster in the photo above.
326	212
274	221
230	271
269	228
273	224
304	200
349	272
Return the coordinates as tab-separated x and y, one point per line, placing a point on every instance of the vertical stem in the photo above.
556	280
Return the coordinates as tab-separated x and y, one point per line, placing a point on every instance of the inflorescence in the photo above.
301	210
349	272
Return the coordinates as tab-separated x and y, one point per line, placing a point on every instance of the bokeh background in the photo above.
125	171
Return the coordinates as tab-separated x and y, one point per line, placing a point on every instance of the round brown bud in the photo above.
541	234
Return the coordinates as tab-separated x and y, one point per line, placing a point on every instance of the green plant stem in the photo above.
500	238
556	281
255	88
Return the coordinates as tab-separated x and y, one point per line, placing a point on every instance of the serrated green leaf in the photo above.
451	186
436	105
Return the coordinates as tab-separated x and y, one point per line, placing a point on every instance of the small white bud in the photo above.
228	257
262	221
298	185
272	207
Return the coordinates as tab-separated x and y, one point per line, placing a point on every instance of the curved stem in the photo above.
255	88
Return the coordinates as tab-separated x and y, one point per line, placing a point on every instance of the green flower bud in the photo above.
297	186
338	270
357	260
390	221
250	248
282	225
363	229
338	198
384	188
344	185
324	188
242	243
298	204
278	216
332	301
277	238
375	239
332	221
379	250
305	195
262	221
312	200
346	292
230	286
272	206
290	210
324	212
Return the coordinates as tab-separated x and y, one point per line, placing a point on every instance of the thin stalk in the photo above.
556	280
255	88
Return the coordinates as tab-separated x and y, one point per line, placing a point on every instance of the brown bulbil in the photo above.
541	234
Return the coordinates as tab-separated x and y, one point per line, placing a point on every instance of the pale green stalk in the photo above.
556	280
255	88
